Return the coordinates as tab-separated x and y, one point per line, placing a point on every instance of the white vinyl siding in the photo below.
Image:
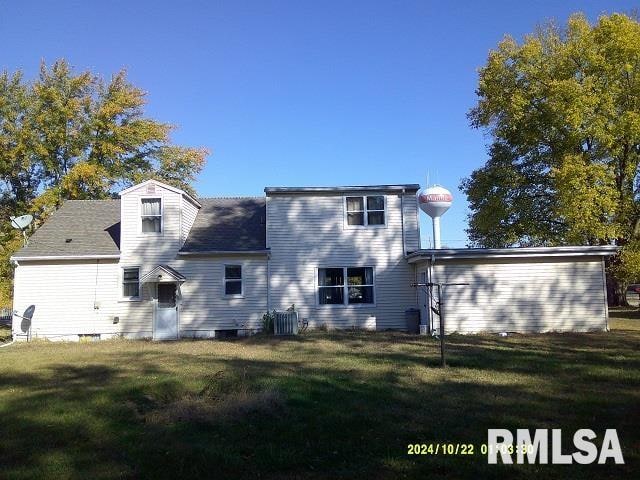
523	295
149	250
64	310
411	223
205	308
307	232
146	250
189	213
84	303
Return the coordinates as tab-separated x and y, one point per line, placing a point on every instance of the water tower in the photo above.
435	201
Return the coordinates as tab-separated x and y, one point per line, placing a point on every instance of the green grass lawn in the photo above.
321	405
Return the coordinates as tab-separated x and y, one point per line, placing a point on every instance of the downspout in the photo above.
268	287
268	246
432	261
404	246
606	300
96	307
13	304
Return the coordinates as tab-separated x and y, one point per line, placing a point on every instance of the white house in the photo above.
158	263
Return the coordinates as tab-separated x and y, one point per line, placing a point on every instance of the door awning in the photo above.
163	273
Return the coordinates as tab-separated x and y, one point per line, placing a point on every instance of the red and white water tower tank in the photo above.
435	201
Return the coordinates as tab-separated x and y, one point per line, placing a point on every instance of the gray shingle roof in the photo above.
222	224
228	224
92	225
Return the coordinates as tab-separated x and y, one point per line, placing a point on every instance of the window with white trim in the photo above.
233	279
366	210
151	215
345	286
131	283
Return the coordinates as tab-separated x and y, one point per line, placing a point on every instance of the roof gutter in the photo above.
225	252
346	189
516	252
64	257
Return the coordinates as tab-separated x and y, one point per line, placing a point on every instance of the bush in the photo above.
268	320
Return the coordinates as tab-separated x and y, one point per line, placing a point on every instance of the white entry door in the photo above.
165	322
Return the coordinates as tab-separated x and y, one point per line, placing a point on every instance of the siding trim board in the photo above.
162	186
65	257
223	253
408	188
524	252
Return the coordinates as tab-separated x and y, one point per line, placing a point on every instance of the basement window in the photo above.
346	286
88	337
232	333
365	211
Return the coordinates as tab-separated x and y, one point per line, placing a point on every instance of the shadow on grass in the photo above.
351	403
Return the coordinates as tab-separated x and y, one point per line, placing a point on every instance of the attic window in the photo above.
151	215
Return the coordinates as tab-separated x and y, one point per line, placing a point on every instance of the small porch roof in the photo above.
160	273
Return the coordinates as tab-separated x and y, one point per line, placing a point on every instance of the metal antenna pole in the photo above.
443	361
440	312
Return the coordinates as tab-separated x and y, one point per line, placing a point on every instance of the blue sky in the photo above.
297	92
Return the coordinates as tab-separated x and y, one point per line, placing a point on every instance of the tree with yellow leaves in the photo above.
563	110
70	135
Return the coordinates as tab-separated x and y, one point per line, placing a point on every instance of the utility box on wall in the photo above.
412	318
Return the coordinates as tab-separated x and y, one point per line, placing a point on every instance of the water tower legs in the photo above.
436	232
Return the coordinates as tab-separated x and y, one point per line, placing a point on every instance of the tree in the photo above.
563	111
69	135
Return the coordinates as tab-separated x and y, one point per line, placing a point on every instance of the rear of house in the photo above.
159	263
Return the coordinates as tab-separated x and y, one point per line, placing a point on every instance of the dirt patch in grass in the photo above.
225	409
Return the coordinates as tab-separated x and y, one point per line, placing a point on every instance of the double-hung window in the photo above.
233	279
345	286
131	283
365	211
151	214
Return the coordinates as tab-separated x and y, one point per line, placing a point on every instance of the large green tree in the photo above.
74	135
562	108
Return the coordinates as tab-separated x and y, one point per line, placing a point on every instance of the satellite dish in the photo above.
21	223
26	317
